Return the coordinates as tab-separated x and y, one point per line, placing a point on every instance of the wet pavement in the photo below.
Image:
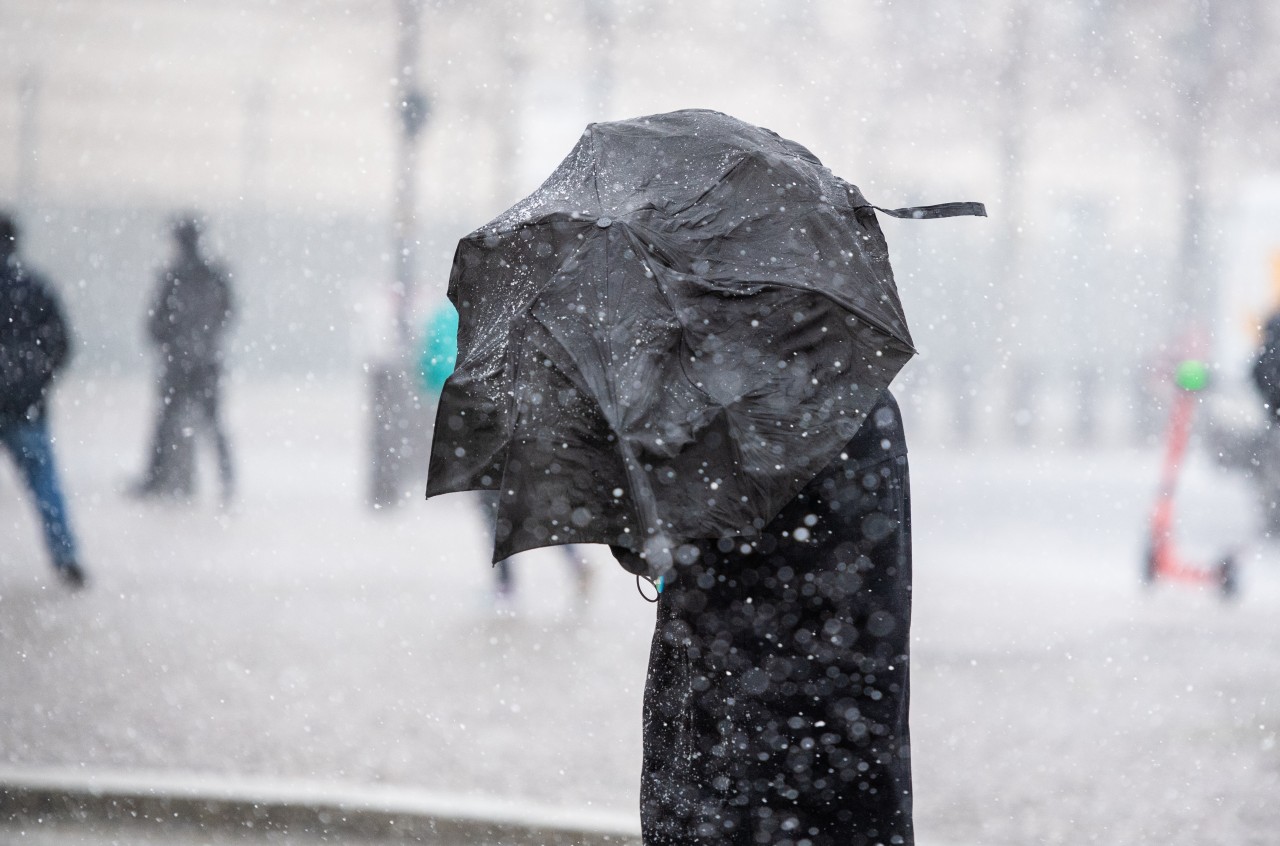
50	805
63	833
302	635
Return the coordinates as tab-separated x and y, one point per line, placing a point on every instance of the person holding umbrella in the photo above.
777	696
680	346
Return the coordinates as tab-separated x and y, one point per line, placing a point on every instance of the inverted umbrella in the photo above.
668	339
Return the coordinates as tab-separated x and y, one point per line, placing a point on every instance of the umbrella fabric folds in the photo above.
668	339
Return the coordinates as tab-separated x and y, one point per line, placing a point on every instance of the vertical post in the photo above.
28	137
252	232
412	113
600	23
1088	396
253	146
507	116
397	432
1190	145
1024	369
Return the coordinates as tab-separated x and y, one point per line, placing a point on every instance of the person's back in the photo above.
187	322
192	311
778	684
1266	367
1262	462
33	339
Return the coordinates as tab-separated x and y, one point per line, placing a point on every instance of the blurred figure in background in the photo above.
439	349
439	355
504	586
34	346
187	324
1266	378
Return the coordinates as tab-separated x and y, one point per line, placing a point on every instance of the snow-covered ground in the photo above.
303	636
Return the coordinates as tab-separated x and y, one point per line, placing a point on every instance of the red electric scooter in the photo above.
1164	562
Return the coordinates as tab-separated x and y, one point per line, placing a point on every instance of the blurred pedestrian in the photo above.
34	347
775	709
1266	367
436	363
1266	379
439	349
187	324
504	581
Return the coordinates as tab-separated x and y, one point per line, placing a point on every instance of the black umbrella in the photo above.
668	339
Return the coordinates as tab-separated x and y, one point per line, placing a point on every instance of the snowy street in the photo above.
303	636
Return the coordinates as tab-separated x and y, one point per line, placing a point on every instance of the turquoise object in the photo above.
439	348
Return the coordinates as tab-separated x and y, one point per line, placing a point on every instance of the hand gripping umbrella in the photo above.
668	339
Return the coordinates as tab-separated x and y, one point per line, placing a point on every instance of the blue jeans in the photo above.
29	444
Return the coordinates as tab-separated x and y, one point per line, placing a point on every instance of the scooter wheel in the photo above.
1228	580
1149	567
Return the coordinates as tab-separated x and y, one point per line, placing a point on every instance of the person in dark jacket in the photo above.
775	709
1262	462
187	324
34	346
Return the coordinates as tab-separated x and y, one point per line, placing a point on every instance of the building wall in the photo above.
276	118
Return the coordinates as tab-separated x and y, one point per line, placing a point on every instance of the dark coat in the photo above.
189	317
1266	367
34	343
776	705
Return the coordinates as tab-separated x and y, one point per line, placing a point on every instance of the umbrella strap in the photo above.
932	212
658	584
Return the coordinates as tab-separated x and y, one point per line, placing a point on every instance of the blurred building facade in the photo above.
1049	321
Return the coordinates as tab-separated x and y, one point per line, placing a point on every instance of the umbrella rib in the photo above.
655	267
716	183
641	493
556	218
735	445
642	498
854	311
595	169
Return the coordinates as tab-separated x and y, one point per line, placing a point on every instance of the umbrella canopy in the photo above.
668	339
